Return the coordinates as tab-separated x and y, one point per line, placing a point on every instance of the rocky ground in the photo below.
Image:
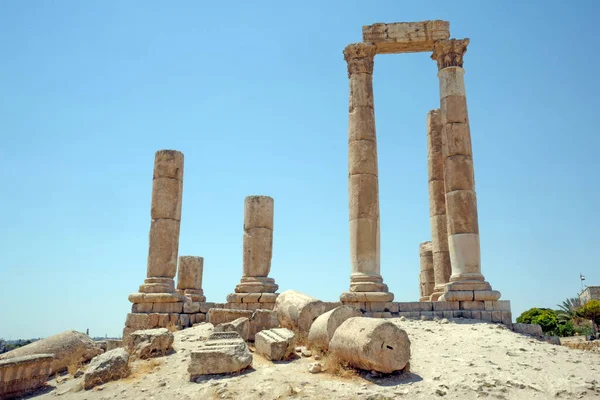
461	359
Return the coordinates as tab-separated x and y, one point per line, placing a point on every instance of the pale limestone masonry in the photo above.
366	283
189	278
158	304
21	375
466	282
426	278
405	37
437	204
589	293
256	289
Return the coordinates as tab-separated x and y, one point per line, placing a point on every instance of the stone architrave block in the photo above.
150	342
23	374
64	346
240	325
405	37
223	352
275	344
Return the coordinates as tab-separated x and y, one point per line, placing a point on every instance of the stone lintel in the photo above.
405	37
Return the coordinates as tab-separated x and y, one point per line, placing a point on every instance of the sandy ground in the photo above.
462	359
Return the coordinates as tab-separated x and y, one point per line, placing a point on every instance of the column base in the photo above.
194	295
158	285
469	291
367	301
256	284
367	283
251	301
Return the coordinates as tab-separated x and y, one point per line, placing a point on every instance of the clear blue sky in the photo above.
255	94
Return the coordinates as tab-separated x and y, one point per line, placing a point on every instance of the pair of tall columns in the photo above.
466	281
363	185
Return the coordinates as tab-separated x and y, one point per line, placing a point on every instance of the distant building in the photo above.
590	293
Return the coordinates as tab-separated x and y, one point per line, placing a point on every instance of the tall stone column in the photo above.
437	204
167	190
256	289
366	283
426	277
466	280
189	278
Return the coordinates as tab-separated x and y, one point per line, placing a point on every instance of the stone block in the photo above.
223	352
268	297
261	320
218	316
166	198
447	314
438	314
141	321
458	138
415	306
240	325
500	305
237	306
275	344
475	314
376	306
463	219
189	274
258	212
141	307
486	316
362	157
528	329
361	124
163	247
167	307
168	164
484	295
506	317
454	109
458	173
392	307
150	343
458	295
445	305
184	321
464	313
472	305
427	314
496	316
205	307
110	366
23	374
405	37
191	307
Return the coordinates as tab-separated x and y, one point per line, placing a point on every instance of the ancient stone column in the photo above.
189	278
363	187
466	280
427	280
437	204
257	246
167	187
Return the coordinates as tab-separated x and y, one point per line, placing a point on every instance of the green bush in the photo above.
548	320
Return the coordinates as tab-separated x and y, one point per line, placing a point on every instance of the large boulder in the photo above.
371	344
110	366
297	311
275	344
325	325
150	343
21	375
69	348
240	325
223	352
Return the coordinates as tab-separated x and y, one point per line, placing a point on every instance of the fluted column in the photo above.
466	280
363	187
437	204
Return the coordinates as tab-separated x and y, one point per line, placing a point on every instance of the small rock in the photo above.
424	318
315	368
78	373
306	353
317	357
444	321
402	318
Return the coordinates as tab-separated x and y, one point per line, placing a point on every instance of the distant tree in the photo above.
591	311
548	320
568	309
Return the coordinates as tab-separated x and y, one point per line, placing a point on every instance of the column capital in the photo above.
359	57
449	53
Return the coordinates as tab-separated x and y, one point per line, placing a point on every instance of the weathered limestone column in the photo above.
256	286
466	281
437	204
189	278
426	277
366	283
165	211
